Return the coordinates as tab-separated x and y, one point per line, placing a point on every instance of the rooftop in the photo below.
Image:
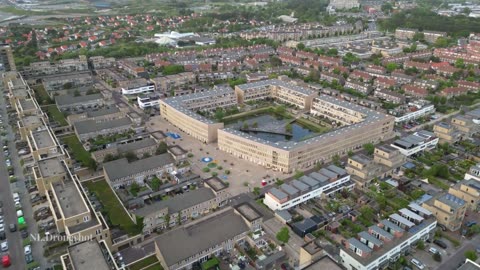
43	139
87	256
89	126
189	240
51	167
120	168
64	100
102	112
451	200
248	212
27	104
178	203
136	145
215	183
69	198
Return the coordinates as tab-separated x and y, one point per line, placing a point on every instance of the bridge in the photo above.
266	131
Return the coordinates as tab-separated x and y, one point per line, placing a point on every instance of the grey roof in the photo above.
452	201
147	142
284	214
409	214
184	242
418	208
309	181
280	195
359	245
275	82
337	170
299	185
362	159
319	177
89	126
102	112
381	231
370	238
289	189
469	265
120	168
87	256
328	173
391	226
69	99
305	224
179	202
474	113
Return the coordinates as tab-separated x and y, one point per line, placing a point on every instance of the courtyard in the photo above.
242	175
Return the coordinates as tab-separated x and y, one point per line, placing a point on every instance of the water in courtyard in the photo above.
271	122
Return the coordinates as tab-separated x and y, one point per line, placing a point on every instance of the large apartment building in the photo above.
184	207
6	58
325	182
363	125
90	128
469	191
209	236
120	172
386	241
89	255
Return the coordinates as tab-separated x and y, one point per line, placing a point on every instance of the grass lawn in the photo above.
42	96
56	115
115	212
144	263
157	266
79	153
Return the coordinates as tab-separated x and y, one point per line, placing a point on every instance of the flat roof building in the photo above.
90	128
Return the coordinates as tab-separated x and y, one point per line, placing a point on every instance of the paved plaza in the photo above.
242	172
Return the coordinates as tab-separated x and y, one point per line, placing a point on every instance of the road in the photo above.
9	214
441	118
459	256
14	239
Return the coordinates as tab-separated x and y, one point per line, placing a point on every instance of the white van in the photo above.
16	197
19	213
418	263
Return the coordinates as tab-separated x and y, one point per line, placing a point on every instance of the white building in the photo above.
136	90
415	114
148	101
417	142
327	181
473	173
386	241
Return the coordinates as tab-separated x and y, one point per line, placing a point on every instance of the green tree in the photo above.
336	160
108	157
283	235
301	46
68	85
459	63
256	191
391	67
162	148
421	245
219	114
245	125
471	255
369	148
76	93
134	188
155	183
130	156
387	7
173	69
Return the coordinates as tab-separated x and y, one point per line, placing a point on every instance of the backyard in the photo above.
79	153
113	207
56	115
151	261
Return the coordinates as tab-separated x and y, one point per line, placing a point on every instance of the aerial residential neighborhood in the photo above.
282	135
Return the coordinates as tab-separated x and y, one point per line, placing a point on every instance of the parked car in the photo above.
24	233
4	246
433	250
440	243
3	236
28	249
470	223
417	263
13	227
28	258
